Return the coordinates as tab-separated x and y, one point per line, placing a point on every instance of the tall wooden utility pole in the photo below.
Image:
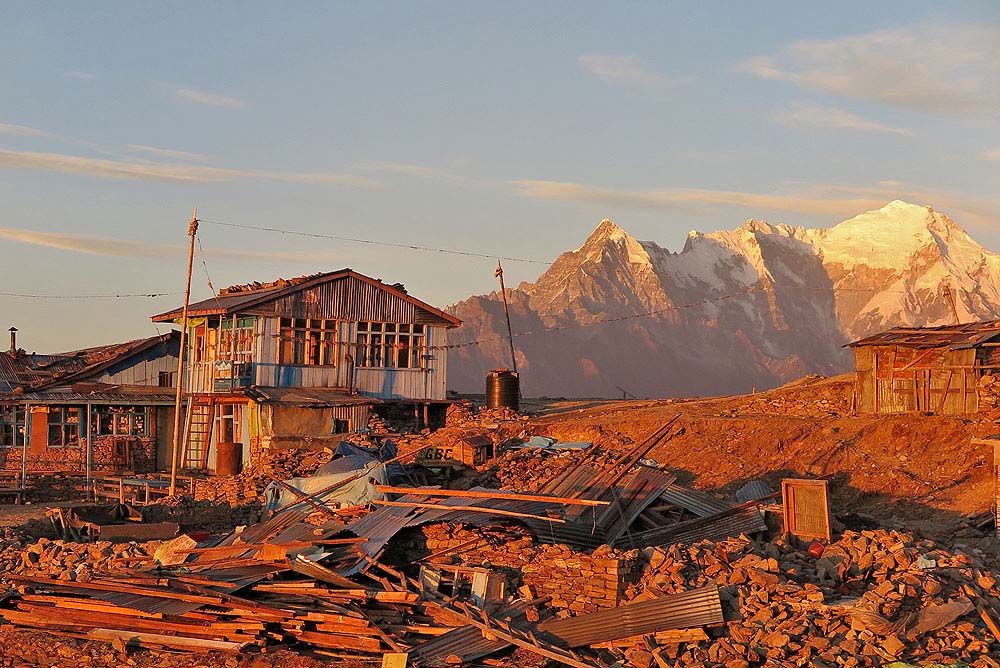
192	231
510	335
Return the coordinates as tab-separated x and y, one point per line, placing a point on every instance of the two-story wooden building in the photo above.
298	361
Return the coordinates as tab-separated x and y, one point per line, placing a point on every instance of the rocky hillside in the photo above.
752	307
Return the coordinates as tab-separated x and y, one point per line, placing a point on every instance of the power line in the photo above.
149	295
372	242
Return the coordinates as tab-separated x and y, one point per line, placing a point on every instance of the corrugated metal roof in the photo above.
694	501
715	528
753	490
220	304
38	371
79	398
954	337
309	397
689	609
467	642
229	304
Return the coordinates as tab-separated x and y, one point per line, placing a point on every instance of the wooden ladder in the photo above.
198	433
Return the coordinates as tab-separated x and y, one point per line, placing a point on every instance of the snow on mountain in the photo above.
755	306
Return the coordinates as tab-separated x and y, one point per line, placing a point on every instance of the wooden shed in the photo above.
925	369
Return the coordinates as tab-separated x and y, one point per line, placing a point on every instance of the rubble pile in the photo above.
292	463
464	415
202	514
872	597
811	396
789	406
248	485
530	469
78	562
988	390
575	581
28	648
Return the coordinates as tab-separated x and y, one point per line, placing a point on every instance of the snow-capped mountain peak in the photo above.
886	237
753	306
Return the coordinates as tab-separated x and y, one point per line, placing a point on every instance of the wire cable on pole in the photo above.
373	242
148	295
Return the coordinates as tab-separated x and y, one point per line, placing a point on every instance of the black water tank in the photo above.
503	389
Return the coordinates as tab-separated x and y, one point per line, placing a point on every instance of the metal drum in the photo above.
503	389
227	458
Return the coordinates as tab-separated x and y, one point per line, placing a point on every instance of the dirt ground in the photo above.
914	471
917	470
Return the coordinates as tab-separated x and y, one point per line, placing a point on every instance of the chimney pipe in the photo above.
13	340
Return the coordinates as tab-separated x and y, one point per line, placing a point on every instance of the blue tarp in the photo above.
547	443
355	493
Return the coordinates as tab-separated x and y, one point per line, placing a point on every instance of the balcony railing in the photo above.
220	376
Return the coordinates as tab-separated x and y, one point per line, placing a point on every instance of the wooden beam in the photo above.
158	640
472	494
478	509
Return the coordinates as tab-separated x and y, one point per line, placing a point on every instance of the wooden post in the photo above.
24	448
90	451
506	312
192	231
875	385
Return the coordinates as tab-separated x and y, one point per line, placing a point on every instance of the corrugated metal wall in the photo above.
144	370
430	383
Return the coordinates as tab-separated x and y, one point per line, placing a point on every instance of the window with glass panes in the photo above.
390	345
64	426
11	426
119	421
307	341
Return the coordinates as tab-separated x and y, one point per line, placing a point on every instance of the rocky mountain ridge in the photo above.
734	310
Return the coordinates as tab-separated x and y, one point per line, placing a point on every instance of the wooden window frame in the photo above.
308	342
820	529
114	414
65	427
12	421
379	342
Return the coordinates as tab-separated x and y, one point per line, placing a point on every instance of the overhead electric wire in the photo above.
151	295
373	242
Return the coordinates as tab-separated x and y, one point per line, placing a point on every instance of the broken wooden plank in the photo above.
477	509
499	495
153	640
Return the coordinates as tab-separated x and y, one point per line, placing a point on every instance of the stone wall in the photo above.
141	457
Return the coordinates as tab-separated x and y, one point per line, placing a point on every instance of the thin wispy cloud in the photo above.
625	70
834	202
210	99
419	171
115	247
166	152
815	116
940	69
692	199
78	75
176	173
22	131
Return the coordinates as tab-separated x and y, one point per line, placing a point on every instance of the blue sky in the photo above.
508	128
